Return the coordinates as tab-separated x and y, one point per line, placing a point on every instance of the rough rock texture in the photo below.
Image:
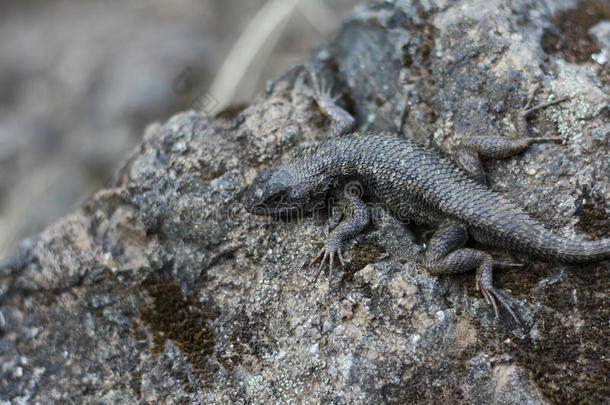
162	289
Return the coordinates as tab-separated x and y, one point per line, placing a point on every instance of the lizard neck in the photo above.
333	160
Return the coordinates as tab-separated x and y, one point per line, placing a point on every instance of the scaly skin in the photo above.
416	184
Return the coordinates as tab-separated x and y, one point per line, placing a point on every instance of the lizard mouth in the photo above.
253	206
263	209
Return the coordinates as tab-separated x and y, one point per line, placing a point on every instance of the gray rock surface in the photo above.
162	289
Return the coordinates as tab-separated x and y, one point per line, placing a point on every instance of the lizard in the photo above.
418	184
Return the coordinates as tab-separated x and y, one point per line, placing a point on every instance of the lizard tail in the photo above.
585	251
554	247
512	227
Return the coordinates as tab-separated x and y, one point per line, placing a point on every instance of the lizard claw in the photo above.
527	110
328	252
322	90
545	139
505	265
342	121
493	296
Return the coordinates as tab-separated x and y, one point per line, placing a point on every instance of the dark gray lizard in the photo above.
417	184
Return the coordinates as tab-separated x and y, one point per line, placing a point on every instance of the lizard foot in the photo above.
328	252
322	90
342	121
493	296
521	121
526	110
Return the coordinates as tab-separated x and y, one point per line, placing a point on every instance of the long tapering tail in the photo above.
566	250
500	222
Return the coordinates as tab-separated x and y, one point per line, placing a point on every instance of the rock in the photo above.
161	288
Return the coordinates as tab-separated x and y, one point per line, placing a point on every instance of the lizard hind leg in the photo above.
468	155
526	111
472	149
446	255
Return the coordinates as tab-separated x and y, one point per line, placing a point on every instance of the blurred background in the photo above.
80	80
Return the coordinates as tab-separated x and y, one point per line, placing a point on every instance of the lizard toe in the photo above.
329	253
495	297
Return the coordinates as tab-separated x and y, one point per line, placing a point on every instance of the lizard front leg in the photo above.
468	155
446	255
359	217
342	122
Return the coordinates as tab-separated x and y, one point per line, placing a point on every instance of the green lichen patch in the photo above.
183	319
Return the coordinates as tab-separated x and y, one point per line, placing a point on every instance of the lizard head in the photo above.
275	192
